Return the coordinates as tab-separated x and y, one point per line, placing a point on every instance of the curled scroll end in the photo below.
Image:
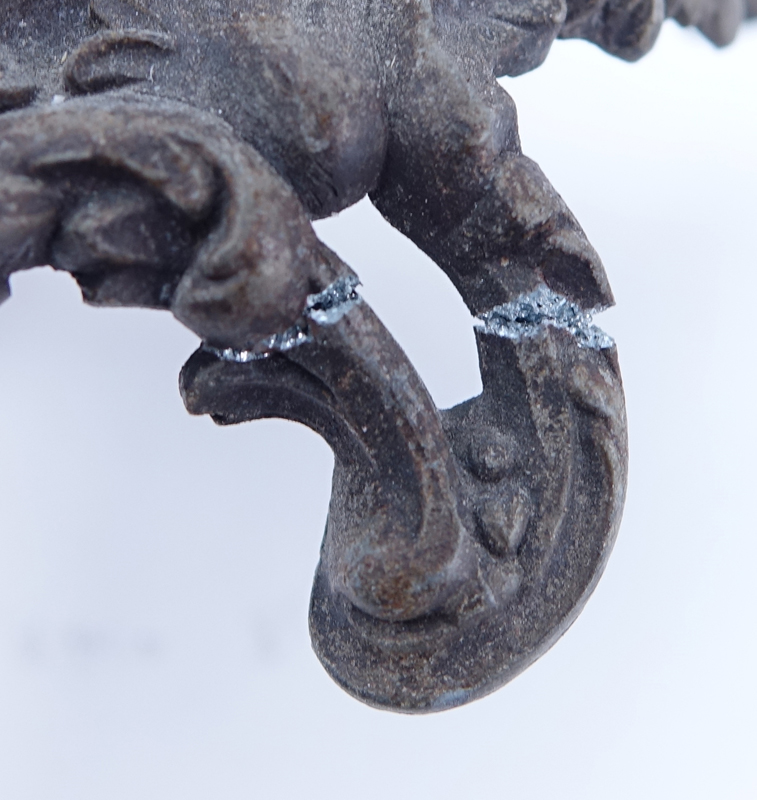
541	456
393	542
154	203
534	470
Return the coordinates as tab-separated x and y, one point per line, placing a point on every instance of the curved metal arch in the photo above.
460	544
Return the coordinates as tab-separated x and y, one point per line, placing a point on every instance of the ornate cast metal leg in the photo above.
460	544
172	155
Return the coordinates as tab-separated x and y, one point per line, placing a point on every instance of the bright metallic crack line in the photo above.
324	308
530	313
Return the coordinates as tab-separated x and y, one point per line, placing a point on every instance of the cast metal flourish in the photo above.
172	154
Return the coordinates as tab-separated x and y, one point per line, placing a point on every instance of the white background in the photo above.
155	569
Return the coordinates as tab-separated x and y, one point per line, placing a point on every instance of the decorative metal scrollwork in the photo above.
173	155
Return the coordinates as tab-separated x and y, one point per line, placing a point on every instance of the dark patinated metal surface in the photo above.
173	154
